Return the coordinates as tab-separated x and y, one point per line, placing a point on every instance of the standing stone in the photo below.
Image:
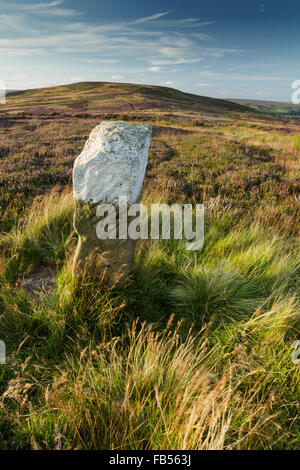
111	166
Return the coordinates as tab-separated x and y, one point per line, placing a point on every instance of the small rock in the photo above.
41	280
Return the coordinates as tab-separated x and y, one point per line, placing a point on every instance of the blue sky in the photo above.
237	49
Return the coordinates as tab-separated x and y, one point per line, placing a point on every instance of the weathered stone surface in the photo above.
112	165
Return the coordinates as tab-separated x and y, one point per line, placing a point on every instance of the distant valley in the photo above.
278	108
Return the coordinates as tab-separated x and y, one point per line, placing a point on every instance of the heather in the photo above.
195	352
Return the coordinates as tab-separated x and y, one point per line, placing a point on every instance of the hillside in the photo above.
95	97
196	351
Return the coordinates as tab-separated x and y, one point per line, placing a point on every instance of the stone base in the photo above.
107	260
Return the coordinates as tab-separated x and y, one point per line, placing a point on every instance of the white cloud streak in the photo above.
155	69
122	38
37	6
44	9
150	18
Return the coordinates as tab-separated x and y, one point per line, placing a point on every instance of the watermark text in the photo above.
296	94
160	221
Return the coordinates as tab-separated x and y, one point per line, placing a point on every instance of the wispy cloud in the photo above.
122	49
97	61
38	6
202	37
121	39
174	61
117	77
155	69
187	22
11	22
45	8
150	18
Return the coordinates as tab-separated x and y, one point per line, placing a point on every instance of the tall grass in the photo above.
42	235
155	393
195	353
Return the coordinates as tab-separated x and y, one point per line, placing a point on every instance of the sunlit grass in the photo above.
195	352
89	368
